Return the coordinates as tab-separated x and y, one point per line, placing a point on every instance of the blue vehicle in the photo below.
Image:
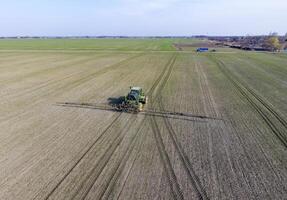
202	49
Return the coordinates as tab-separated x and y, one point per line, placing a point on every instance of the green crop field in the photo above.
89	44
214	127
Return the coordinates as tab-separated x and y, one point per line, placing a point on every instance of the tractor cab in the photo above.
138	92
133	96
134	101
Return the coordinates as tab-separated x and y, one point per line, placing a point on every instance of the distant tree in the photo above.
273	43
286	37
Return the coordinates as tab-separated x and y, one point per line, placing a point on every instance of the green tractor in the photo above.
135	100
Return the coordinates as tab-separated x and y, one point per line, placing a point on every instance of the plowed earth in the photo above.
237	151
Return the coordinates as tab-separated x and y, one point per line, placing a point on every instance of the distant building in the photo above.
202	49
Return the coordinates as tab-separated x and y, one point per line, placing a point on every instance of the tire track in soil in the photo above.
89	149
93	75
103	161
117	176
243	89
210	105
23	62
131	147
65	87
250	162
249	94
101	135
120	165
55	67
88	77
109	186
238	135
193	178
152	89
130	169
172	179
81	158
255	138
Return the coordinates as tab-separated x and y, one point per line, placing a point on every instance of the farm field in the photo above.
90	44
229	143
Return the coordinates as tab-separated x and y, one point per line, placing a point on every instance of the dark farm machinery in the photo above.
134	102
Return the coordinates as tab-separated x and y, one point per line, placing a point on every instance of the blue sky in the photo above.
142	17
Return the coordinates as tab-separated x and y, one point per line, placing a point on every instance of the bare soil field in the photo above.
192	45
230	143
